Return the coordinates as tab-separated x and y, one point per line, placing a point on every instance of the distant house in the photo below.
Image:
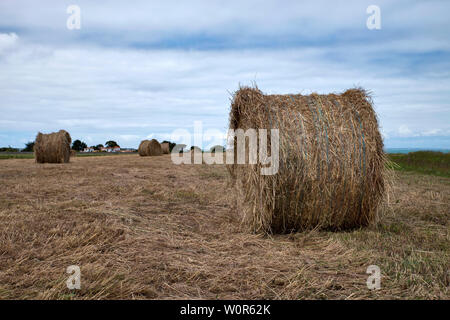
88	149
127	150
108	149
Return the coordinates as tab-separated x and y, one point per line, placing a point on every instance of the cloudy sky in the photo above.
138	69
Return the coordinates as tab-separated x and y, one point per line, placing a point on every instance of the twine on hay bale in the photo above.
332	165
52	147
150	148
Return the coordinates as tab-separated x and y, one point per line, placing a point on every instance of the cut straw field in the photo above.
144	228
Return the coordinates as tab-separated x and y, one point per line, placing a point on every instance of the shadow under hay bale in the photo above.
150	148
53	147
165	147
332	165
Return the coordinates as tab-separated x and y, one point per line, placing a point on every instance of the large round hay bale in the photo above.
165	147
150	148
52	147
331	161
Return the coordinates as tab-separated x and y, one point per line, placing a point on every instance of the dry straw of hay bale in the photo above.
332	165
150	148
53	147
165	148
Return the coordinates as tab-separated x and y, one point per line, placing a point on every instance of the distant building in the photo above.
109	149
123	150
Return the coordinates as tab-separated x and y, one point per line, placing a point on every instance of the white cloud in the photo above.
404	130
8	41
132	92
384	134
433	132
99	82
414	26
128	137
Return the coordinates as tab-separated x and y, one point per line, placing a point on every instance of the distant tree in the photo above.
111	144
97	147
9	149
28	147
171	144
78	145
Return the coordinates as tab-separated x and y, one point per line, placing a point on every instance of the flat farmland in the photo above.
145	228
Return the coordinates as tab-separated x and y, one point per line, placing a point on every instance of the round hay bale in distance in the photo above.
150	148
165	147
52	147
331	162
143	147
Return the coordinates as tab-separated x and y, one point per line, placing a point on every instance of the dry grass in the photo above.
143	228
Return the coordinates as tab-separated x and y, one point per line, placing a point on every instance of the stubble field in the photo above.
144	228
